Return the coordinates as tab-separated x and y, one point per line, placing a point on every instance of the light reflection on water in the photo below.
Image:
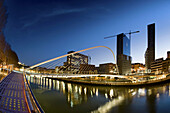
58	96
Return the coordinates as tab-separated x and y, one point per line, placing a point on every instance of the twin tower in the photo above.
123	51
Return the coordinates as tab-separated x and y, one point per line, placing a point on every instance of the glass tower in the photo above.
123	54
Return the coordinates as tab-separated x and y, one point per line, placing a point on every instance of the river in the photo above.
61	97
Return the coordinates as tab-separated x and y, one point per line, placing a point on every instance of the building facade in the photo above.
166	63
161	66
137	68
87	69
157	66
168	54
123	54
73	61
107	68
150	52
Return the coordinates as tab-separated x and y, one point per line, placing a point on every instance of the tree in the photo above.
6	53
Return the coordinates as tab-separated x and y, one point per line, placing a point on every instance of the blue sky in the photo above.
42	29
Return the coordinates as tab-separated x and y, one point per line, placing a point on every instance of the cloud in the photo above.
65	11
55	12
27	24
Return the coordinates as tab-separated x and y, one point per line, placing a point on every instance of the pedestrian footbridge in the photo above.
16	95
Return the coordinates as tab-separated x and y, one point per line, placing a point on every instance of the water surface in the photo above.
61	97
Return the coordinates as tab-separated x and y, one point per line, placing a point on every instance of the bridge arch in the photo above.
53	59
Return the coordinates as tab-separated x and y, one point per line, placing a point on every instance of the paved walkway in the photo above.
12	94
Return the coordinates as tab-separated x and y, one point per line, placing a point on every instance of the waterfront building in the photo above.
166	63
137	68
157	66
123	54
107	68
150	52
168	54
87	69
73	61
160	65
60	69
166	66
41	70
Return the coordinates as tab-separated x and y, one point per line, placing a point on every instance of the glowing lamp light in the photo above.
19	62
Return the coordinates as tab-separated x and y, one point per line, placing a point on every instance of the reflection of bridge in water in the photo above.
76	94
15	98
79	94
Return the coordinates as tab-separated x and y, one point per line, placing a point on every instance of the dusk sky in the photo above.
42	29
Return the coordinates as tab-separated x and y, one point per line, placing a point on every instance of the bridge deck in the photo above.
12	94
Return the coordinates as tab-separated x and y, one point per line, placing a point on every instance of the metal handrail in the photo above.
33	97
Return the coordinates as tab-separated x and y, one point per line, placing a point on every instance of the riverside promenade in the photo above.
12	94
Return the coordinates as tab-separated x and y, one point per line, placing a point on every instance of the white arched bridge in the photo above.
136	78
59	57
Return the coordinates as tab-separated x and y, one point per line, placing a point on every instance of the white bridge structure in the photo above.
54	59
64	75
75	75
133	78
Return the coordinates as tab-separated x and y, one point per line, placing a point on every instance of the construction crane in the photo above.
125	34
